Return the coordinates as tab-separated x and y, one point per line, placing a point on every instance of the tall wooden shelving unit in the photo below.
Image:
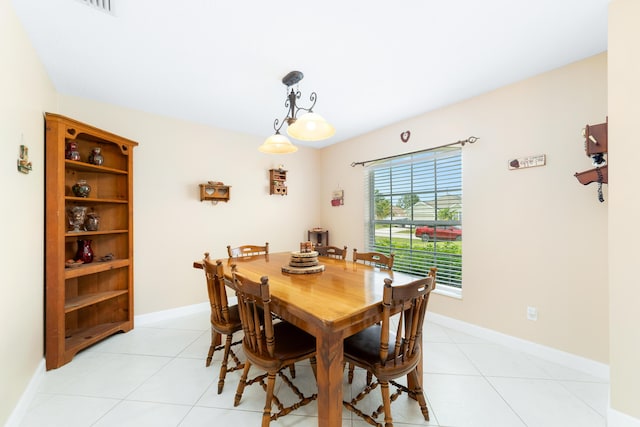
90	302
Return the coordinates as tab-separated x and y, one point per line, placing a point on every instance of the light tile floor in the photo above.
155	376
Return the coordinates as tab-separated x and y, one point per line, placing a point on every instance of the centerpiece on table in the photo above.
304	261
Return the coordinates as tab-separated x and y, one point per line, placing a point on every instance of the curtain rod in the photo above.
470	140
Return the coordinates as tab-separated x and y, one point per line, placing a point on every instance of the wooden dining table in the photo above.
330	305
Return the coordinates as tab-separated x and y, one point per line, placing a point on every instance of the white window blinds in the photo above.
415	211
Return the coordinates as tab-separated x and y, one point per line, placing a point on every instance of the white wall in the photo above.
26	93
172	228
624	208
532	237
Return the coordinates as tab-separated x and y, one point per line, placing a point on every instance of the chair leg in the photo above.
419	394
223	365
212	347
266	414
350	375
386	402
242	383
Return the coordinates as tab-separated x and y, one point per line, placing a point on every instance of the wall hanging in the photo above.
215	192
595	147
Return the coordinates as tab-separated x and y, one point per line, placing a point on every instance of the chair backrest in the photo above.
247	250
409	302
214	273
374	258
257	324
332	251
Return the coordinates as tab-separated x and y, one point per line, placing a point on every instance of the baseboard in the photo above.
29	393
145	319
588	366
618	419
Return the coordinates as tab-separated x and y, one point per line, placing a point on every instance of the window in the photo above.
415	211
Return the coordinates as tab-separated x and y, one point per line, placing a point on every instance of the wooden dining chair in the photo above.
247	250
225	319
332	251
269	346
393	348
377	259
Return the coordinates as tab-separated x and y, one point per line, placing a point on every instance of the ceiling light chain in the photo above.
309	127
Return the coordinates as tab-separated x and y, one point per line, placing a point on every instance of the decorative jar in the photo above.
92	222
81	188
95	157
72	153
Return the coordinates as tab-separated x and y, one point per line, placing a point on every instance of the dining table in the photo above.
331	305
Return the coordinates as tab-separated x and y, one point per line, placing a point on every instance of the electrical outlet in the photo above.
532	313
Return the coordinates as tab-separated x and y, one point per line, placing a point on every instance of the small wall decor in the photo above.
337	198
215	191
404	136
24	165
528	162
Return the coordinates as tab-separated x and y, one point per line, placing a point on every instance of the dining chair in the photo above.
247	250
332	251
377	259
393	348
269	346
225	319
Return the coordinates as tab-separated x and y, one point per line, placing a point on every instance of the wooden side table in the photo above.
318	235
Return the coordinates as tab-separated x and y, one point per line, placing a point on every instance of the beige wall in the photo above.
26	92
533	237
624	205
172	228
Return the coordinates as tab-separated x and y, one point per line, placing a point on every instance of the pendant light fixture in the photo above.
309	126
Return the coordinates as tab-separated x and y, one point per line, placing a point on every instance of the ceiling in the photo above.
371	62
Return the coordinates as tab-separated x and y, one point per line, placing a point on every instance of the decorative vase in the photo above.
92	222
77	216
72	152
95	157
85	253
81	188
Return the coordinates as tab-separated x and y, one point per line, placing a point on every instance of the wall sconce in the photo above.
308	127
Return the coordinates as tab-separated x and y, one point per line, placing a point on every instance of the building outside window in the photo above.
415	211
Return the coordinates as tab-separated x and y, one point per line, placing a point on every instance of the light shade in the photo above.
311	127
278	144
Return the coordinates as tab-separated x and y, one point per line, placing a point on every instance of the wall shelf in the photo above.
278	182
215	192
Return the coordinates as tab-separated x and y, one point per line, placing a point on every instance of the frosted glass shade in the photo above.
278	144
311	127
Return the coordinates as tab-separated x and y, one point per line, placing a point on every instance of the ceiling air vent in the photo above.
103	5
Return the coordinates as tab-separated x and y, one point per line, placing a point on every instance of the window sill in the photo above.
448	291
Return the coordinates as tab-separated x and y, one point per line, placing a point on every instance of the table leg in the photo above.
329	355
